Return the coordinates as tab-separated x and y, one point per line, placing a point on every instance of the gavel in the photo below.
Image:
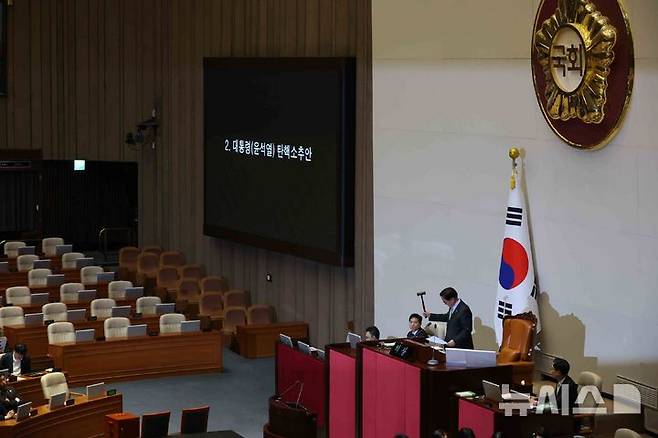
420	294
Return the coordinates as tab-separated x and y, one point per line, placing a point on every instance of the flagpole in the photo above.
513	154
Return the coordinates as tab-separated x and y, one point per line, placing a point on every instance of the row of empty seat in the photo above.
68	292
39	277
48	247
113	327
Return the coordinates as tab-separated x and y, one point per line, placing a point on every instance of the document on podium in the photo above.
436	340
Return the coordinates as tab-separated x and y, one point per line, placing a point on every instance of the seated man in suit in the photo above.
415	331
372	333
17	361
9	400
459	320
565	387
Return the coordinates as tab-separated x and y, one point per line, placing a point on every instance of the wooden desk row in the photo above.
55	262
141	357
53	291
84	419
36	336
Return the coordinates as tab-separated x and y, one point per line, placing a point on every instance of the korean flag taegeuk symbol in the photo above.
513	264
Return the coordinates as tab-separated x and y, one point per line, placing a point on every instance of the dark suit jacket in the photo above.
420	333
459	326
7	362
572	387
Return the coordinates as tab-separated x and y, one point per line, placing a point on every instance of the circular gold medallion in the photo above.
582	64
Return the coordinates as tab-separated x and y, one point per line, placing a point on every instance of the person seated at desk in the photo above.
565	384
415	329
459	320
9	400
372	333
17	361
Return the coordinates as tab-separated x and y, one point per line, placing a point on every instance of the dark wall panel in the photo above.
82	73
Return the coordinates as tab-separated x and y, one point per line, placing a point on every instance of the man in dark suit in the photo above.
459	320
415	330
17	361
565	387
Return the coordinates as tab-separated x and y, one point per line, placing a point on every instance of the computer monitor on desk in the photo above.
41	264
190	326
84	335
133	331
63	249
161	309
55	280
4	267
285	340
132	293
23	411
353	339
76	315
39	299
86	295
121	311
84	261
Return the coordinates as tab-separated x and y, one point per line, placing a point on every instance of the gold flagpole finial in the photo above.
513	154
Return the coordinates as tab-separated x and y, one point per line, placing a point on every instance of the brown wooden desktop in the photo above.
259	340
86	418
139	357
436	386
36	336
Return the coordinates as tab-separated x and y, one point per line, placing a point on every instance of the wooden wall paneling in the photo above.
20	81
36	73
47	62
82	77
312	28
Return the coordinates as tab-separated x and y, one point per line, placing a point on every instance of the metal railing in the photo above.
103	237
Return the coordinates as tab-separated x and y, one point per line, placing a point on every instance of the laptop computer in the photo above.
492	391
190	326
3	344
4	267
132	293
121	311
353	339
285	340
26	250
57	400
96	390
304	347
320	353
23	411
41	264
63	249
55	280
161	309
136	330
84	261
86	295
105	277
84	335
76	315
39	299
33	319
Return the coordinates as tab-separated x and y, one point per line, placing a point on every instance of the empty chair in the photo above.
170	322
54	383
188	290
146	305
627	433
147	265
260	314
18	295
49	245
236	297
69	260
61	332
167	277
101	308
128	258
233	317
11	315
155	425
211	304
38	277
194	420
116	327
68	292
26	262
214	284
192	271
11	248
89	274
153	249
54	312
172	258
117	289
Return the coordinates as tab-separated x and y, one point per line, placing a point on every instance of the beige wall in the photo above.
452	92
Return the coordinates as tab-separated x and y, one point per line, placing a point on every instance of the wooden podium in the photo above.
122	425
289	420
